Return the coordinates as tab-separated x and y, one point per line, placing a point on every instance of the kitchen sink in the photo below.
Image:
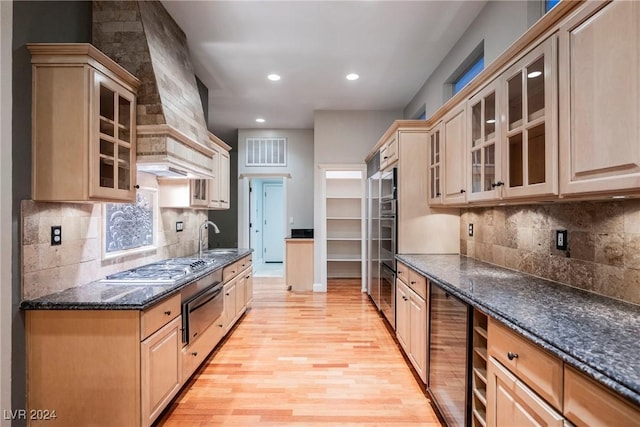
221	251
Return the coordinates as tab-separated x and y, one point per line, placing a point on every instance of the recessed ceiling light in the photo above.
352	76
260	120
534	74
273	77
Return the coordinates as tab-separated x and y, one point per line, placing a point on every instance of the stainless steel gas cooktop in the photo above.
164	272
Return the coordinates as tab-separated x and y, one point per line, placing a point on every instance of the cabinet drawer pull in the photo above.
512	356
195	353
168	312
404	298
413	282
227	294
400	272
220	326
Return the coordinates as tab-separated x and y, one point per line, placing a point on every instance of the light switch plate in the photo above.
470	230
179	226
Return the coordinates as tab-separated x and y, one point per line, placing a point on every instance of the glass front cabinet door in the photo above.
530	124
483	146
435	167
113	153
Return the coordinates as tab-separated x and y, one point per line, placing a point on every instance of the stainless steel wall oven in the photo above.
387	233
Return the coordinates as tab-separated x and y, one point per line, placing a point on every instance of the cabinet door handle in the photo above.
497	184
227	294
512	356
463	191
400	272
168	312
404	298
195	353
413	282
438	194
220	326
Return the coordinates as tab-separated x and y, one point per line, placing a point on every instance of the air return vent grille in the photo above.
266	152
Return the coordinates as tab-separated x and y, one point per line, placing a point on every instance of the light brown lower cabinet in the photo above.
589	404
194	354
161	368
118	367
528	386
411	327
511	403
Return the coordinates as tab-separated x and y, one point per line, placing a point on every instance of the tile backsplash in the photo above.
78	260
603	254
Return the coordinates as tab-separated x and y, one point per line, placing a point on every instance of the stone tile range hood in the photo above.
172	136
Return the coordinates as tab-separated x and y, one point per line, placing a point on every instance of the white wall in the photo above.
299	188
6	29
499	24
343	137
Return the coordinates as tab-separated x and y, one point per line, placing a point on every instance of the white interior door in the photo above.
255	218
273	222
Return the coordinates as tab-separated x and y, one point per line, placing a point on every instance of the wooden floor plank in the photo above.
304	359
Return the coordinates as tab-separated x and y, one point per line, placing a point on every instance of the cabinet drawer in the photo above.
195	353
536	367
244	263
418	283
403	272
230	271
159	315
587	403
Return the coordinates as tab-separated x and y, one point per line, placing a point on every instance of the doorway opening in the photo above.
267	225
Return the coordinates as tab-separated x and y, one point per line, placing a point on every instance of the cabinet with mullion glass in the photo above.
83	109
435	166
530	106
116	156
484	172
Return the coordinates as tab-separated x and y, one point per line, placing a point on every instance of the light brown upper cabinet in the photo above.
224	179
453	144
600	99
389	153
219	185
530	125
435	166
484	176
83	130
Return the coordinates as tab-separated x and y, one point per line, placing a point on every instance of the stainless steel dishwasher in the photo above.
449	327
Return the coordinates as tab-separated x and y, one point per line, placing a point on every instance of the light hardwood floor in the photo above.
304	359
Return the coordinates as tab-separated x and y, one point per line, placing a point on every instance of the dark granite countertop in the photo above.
599	336
105	296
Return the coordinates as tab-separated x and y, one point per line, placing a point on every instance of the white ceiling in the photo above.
393	45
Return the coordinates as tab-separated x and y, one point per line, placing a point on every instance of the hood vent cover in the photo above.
171	129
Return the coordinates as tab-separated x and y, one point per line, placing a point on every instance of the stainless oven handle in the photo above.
389	270
197	303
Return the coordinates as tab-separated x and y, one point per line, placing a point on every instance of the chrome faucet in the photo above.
201	240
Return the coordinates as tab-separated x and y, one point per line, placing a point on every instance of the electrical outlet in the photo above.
561	240
56	235
470	230
179	226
